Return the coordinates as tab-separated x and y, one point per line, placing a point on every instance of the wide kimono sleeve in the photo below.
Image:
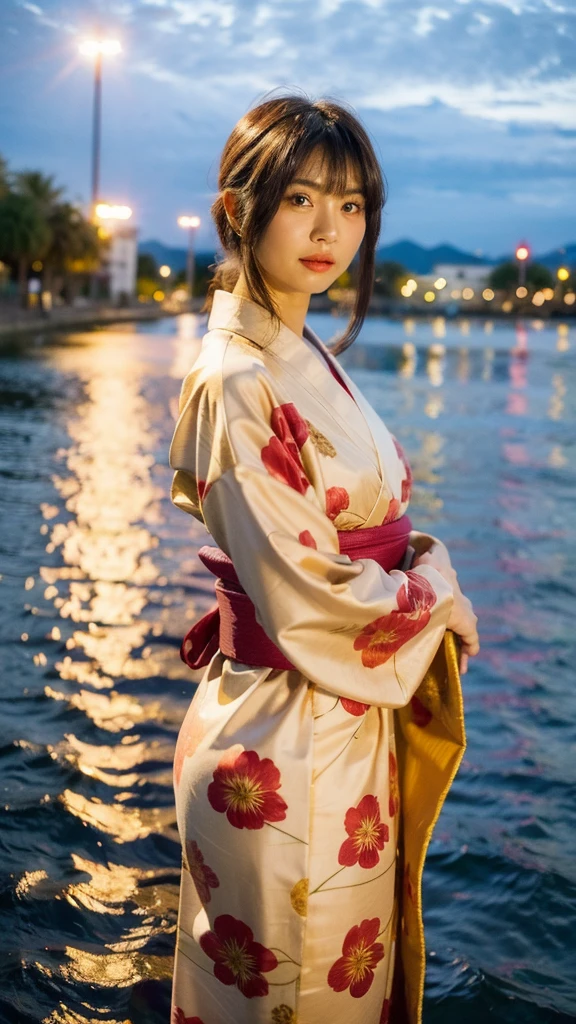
244	460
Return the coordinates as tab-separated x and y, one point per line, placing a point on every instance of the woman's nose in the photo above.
324	230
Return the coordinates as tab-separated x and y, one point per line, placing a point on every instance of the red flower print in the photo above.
289	426
306	538
178	1017
393	511
382	637
394	795
385	1015
191	732
203	877
238	960
203	489
419	594
337	499
366	834
407	482
354	707
420	714
360	955
281	455
244	787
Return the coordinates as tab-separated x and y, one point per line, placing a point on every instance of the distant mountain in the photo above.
420	260
174	257
564	256
416	258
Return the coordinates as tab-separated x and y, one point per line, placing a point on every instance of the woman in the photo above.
286	773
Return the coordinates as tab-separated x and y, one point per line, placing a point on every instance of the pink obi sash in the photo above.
231	624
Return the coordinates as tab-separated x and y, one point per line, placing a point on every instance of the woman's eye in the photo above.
357	205
298	195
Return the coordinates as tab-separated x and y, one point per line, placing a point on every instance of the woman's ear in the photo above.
229	200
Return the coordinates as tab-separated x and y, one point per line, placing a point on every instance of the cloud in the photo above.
454	107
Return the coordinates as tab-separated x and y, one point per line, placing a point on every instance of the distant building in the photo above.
122	260
463	275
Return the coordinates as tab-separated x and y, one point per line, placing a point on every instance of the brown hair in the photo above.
261	157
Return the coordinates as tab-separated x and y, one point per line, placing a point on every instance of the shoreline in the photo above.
19	322
69	318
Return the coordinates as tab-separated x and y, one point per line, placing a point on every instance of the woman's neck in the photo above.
292	306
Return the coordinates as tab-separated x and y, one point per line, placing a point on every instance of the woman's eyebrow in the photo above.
317	185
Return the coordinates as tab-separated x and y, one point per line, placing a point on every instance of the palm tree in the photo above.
41	190
39	187
75	247
24	235
37	223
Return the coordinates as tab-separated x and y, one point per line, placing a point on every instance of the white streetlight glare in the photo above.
189	222
106	212
165	270
186	221
92	47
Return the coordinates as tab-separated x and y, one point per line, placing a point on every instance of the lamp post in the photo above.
522	255
97	48
190	223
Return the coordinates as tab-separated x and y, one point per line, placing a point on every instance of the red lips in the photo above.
318	263
318	257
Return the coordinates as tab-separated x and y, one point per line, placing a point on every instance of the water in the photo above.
100	579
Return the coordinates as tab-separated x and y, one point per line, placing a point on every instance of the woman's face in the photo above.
310	223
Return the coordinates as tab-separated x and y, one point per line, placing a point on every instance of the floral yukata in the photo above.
286	781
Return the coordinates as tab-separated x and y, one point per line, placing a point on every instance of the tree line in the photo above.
42	232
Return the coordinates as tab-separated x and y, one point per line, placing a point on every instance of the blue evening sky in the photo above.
471	104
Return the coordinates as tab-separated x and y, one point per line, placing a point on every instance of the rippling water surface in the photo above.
100	579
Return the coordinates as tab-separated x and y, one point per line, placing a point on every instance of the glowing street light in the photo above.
106	212
92	47
98	48
186	221
562	273
165	270
522	255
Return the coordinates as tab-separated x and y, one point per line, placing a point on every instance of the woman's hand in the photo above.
462	619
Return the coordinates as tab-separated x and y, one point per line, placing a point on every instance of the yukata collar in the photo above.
304	359
250	320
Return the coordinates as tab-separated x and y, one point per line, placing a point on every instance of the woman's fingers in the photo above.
470	644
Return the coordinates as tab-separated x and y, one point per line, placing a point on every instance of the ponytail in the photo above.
225	276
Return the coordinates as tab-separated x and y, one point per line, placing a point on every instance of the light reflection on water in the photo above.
101	579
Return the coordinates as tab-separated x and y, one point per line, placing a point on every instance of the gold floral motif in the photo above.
299	897
324	446
283	1015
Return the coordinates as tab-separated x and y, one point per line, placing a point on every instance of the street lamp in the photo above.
106	212
97	48
190	223
522	254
